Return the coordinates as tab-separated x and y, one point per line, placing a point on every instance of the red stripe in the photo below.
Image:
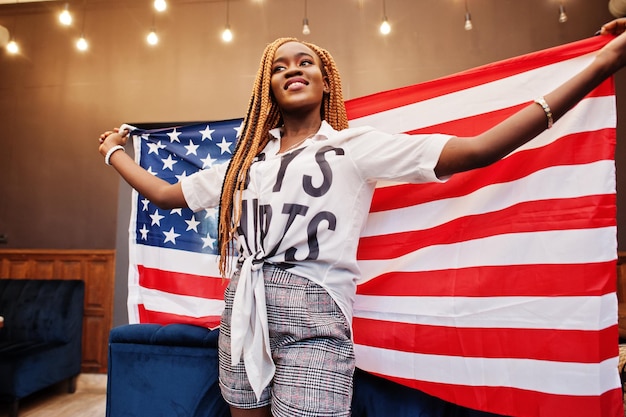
545	280
580	148
537	344
182	284
530	216
387	100
158	317
523	403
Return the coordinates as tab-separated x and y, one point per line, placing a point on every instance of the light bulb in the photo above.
468	21
305	27
81	44
65	17
160	5
385	28
562	15
12	47
227	35
152	38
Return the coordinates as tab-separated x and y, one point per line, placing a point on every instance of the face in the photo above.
297	81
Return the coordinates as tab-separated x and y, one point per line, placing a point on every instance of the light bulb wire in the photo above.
385	11
305	20
14	27
82	30
227	14
562	14
468	15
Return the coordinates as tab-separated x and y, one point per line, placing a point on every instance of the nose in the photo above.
292	70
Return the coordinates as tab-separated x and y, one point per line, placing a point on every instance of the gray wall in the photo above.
56	191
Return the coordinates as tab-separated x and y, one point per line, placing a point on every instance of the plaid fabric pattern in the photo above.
311	347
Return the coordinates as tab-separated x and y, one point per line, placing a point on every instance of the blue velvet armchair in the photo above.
41	339
171	370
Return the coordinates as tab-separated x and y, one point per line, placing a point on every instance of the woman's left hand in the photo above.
615	51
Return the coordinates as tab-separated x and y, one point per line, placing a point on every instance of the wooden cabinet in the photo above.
96	268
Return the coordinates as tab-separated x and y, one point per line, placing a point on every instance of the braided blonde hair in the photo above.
263	115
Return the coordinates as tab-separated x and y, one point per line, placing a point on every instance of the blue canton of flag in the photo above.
172	154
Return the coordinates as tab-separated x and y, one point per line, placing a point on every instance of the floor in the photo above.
89	400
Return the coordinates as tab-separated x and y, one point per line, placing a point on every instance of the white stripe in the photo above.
591	114
167	259
546	247
573	313
597	178
495	95
559	378
183	305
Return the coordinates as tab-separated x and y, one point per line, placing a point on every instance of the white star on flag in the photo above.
208	241
206	133
144	232
192	224
224	145
208	161
171	236
174	136
156	218
168	163
191	148
155	147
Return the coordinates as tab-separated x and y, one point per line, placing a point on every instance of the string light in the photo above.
305	22
152	37
12	47
468	17
65	17
82	44
160	5
562	14
227	34
385	27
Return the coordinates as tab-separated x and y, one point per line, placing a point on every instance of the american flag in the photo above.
495	290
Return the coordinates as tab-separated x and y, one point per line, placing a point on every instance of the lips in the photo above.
295	82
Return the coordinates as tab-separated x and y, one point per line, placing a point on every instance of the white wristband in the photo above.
546	109
107	158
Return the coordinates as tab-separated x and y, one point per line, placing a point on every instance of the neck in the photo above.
299	128
296	130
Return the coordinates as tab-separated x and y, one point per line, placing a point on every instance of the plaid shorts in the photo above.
311	347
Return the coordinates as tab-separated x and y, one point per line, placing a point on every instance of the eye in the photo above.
306	62
277	68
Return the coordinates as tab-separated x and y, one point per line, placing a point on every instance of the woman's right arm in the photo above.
161	193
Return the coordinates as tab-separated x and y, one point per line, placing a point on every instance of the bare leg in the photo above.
255	412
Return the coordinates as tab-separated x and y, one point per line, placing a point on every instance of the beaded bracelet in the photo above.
107	158
542	102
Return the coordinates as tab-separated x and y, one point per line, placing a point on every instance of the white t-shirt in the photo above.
304	209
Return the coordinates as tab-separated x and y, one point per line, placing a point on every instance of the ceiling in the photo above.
21	1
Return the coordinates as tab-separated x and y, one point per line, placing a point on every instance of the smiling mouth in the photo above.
295	84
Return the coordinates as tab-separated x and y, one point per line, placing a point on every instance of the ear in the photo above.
326	85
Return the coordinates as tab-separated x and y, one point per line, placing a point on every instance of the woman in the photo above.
294	198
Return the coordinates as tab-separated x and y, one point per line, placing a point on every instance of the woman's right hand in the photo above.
112	138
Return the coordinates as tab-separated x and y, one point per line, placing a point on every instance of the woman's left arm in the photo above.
462	154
